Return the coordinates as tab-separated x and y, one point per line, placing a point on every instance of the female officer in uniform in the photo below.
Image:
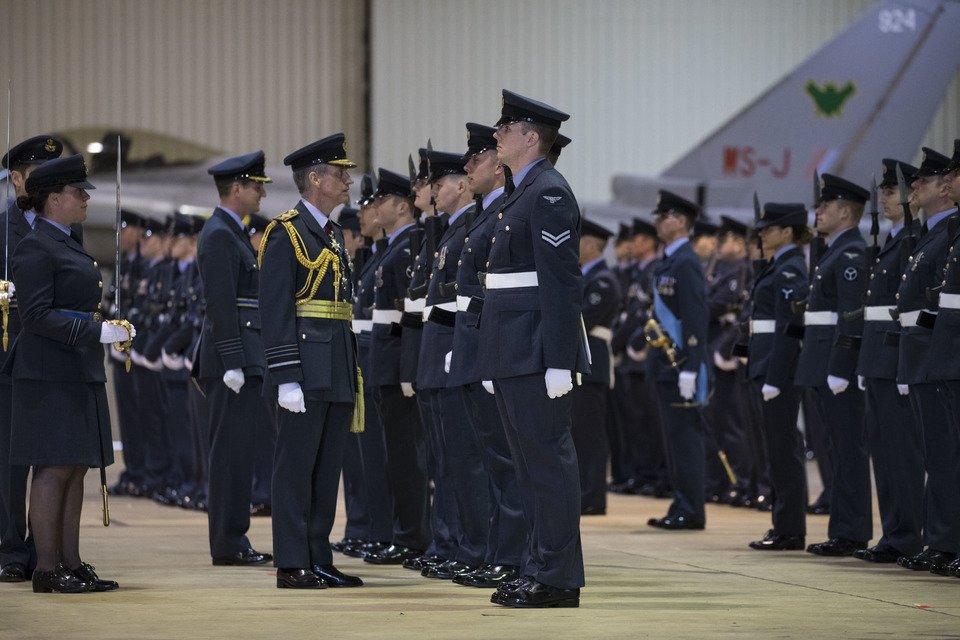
774	346
61	423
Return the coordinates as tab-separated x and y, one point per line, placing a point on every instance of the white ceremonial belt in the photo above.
446	306
414	306
878	314
950	300
762	326
604	333
909	318
386	316
819	318
463	302
360	326
512	280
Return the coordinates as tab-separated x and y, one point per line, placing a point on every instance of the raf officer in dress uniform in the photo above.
18	555
833	324
893	434
601	301
680	308
531	346
230	364
917	303
311	364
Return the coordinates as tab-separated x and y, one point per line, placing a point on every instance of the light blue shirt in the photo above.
66	230
933	220
834	238
895	230
590	265
520	175
31	217
320	216
783	250
235	217
490	197
392	236
676	244
459	213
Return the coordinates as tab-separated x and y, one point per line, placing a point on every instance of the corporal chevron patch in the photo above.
555	240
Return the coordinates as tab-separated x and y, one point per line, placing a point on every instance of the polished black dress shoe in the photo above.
464	578
511	586
836	547
447	570
334	577
85	573
242	559
364	549
491	576
778	542
394	554
537	595
817	509
14	572
346	542
764	503
953	569
59	580
299	579
592	510
926	560
881	554
422	561
260	510
675	523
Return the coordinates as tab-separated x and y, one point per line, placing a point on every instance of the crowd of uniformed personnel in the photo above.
427	341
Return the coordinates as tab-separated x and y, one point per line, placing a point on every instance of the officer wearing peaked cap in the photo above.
917	304
531	346
311	364
774	346
680	308
230	365
893	434
832	328
601	302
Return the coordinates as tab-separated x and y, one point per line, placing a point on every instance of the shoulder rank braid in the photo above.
317	268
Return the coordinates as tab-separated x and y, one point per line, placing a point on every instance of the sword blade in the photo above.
116	267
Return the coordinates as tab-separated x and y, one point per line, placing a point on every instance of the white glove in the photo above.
119	356
903	389
861	383
687	384
488	385
769	392
722	363
407	388
290	397
837	385
633	354
559	382
114	333
234	379
187	364
446	361
141	361
174	363
11	290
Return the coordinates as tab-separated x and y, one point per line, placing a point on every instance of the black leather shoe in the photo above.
334	577
675	523
626	487
346	542
591	510
85	573
365	549
242	559
836	547
60	580
537	595
881	554
953	569
817	509
447	570
421	562
764	503
511	586
926	560
394	554
464	578
260	510
492	576
299	579
14	572
778	542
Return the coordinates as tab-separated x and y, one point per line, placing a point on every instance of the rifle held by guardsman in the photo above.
910	241
5	283
817	244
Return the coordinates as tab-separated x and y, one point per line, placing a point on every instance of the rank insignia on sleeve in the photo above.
555	240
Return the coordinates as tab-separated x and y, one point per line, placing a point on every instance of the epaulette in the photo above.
287	215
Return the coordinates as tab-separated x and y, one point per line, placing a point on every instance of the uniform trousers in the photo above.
507	540
850	495
130	424
306	480
896	446
541	446
200	420
443	525
818	441
366	484
233	423
588	414
784	450
407	478
15	543
683	434
941	446
178	434
152	408
727	418
265	443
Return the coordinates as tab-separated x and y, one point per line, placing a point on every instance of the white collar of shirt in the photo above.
458	214
783	250
31	217
676	244
520	175
392	236
235	217
320	216
66	230
590	265
490	197
933	220
834	238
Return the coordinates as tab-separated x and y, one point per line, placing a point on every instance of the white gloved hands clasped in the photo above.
446	361
837	385
769	392
559	382
173	363
903	389
861	383
687	384
141	361
290	397
110	333
488	385
407	389
234	379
